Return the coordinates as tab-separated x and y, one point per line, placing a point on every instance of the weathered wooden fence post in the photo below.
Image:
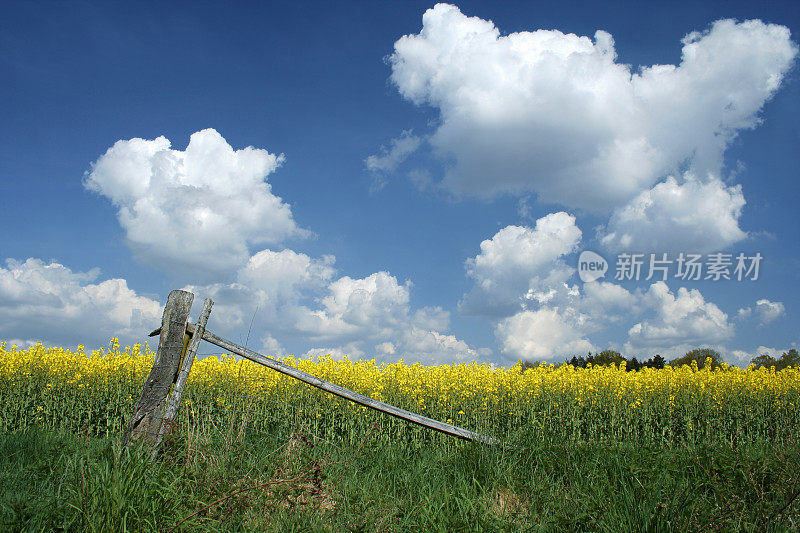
174	402
149	412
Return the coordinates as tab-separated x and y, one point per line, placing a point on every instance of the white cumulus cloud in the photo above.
352	351
558	115
282	276
272	347
386	348
291	297
544	334
608	302
193	212
671	217
523	284
373	306
517	260
271	288
433	347
768	311
684	317
50	303
744	357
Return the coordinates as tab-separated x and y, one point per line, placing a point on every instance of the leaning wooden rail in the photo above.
366	401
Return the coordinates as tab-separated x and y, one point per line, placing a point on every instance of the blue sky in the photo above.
420	180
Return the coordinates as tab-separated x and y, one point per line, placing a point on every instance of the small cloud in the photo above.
272	347
765	312
298	298
421	179
759	236
390	158
386	348
432	347
523	209
769	311
351	351
744	357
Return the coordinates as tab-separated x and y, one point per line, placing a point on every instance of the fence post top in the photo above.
179	291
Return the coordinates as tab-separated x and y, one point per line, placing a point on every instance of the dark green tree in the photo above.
525	365
578	362
790	358
657	362
786	360
700	355
606	357
764	360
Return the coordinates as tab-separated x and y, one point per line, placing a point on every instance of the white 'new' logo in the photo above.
591	266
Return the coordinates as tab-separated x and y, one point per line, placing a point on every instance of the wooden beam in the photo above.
360	399
149	411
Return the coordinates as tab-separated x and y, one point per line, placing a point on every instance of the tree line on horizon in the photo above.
699	355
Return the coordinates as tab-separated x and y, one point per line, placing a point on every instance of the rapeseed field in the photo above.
62	389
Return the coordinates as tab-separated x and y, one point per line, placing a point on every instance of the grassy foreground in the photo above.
245	481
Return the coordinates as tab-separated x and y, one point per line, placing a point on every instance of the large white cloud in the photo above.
661	321
544	334
270	289
50	303
412	345
523	283
283	276
608	302
556	114
665	322
522	268
672	217
418	344
684	317
193	212
518	260
291	297
371	307
558	319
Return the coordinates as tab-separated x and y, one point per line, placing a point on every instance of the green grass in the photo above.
243	481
